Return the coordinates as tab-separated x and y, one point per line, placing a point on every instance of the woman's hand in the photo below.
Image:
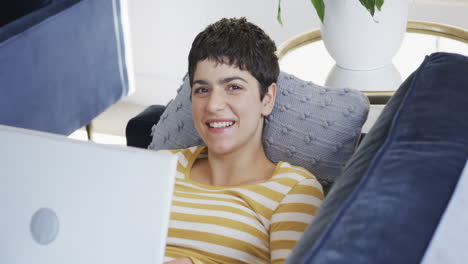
180	261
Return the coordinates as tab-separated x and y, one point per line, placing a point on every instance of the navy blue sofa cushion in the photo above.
62	65
385	206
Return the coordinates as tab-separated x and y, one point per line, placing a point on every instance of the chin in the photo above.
220	148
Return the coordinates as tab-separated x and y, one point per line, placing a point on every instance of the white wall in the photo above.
162	32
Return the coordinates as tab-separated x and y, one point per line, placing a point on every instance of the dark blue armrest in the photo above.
138	130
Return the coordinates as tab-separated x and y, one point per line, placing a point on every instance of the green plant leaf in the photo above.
320	8
365	3
278	16
372	9
379	4
369	5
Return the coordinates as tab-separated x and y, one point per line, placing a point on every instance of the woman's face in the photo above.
226	107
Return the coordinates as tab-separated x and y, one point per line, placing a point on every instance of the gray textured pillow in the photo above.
310	126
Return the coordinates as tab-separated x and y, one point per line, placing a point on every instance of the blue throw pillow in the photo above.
385	206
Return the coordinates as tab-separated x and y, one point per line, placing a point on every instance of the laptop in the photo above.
69	201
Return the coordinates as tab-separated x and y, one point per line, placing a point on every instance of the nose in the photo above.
216	101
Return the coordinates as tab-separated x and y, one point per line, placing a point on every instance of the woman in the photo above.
231	203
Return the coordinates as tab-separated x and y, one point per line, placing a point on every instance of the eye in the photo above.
200	90
233	87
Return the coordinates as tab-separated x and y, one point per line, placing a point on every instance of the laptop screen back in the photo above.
66	201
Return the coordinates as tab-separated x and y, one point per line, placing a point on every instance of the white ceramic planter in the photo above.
358	41
386	78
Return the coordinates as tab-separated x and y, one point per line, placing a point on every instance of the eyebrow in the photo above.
202	82
225	80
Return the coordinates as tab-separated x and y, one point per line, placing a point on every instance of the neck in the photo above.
238	168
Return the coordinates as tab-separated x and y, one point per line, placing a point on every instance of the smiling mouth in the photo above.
221	124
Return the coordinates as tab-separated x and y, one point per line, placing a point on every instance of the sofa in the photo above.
392	199
62	62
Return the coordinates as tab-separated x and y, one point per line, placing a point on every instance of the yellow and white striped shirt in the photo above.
257	223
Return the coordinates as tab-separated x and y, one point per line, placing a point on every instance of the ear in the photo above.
268	101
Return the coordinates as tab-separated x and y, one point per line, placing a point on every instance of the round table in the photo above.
306	57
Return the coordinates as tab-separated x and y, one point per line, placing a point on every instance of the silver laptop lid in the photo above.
66	201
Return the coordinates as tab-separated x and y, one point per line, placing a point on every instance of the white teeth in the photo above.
220	124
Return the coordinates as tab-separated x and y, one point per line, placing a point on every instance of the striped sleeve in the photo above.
292	217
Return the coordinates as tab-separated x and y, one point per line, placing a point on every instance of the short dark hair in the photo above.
240	43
